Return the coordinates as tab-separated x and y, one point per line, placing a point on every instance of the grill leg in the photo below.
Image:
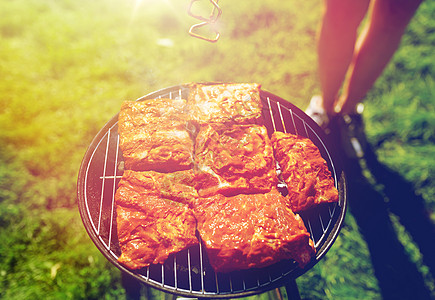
292	290
131	285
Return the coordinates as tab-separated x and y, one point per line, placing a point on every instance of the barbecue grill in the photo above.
188	273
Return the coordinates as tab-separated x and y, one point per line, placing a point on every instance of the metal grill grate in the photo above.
188	273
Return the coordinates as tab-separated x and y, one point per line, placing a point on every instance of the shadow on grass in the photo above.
398	277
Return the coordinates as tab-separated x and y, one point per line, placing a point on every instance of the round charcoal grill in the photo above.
188	273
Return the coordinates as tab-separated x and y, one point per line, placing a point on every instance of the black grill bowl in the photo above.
188	273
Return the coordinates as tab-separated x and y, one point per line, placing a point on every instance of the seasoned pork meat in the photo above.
234	159
222	103
305	172
150	225
155	135
251	231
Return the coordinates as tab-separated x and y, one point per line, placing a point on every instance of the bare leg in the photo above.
376	45
336	45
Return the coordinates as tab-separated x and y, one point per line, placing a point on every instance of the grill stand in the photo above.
132	288
292	290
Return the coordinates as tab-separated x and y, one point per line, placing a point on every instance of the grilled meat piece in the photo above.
150	225
304	170
155	135
233	159
238	103
251	231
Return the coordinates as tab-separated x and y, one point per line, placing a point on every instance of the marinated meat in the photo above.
176	186
233	159
251	231
155	135
223	103
208	164
150	225
305	172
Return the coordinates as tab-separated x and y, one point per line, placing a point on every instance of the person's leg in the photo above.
336	42
376	45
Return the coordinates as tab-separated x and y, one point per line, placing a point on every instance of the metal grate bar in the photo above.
163	275
102	184
217	283
201	264
321	222
111	177
281	117
190	270
175	273
113	190
311	232
306	130
271	114
293	121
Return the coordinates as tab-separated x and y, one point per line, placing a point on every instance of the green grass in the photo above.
65	68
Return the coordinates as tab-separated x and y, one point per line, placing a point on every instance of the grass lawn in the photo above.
65	68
